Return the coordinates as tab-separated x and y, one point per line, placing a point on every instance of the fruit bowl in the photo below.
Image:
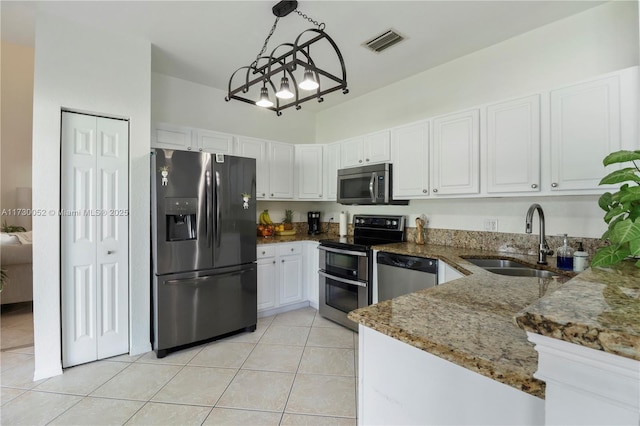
266	230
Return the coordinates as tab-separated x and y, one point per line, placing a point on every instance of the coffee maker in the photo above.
313	219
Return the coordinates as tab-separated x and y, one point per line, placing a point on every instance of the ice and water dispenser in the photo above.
181	217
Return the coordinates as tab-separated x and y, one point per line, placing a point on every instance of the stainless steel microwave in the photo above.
367	185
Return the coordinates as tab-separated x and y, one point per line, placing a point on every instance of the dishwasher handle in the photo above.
422	264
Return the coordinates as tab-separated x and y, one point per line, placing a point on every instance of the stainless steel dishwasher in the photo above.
399	274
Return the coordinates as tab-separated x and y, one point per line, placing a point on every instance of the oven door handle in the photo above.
342	280
340	251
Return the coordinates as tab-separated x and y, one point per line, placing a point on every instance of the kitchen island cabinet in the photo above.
401	384
586	329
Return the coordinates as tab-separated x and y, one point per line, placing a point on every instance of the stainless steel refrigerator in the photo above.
203	213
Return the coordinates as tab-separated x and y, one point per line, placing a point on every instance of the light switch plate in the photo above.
491	225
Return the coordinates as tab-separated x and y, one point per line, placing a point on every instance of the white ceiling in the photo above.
205	41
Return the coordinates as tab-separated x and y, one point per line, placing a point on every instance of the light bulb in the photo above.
284	92
264	99
309	81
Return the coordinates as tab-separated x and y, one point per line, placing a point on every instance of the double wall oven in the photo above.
346	265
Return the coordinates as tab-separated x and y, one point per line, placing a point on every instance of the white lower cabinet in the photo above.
280	275
447	273
267	286
401	384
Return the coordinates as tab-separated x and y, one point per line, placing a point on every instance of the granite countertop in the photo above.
468	321
599	309
300	236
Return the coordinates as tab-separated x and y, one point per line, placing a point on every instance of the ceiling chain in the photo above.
266	41
320	26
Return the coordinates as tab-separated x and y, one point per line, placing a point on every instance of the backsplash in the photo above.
493	241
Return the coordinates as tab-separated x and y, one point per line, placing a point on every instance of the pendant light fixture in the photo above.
290	62
264	100
285	92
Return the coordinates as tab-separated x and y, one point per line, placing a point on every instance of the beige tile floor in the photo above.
295	369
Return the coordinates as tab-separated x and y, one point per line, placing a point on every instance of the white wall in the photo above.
85	69
597	41
185	103
15	127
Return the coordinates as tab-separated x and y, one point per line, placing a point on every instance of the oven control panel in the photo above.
391	223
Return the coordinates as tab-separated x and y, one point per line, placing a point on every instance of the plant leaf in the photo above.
625	231
609	255
630	194
615	211
621	157
622	175
605	201
634	248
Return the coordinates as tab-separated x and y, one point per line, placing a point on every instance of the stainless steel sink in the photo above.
522	272
510	267
496	263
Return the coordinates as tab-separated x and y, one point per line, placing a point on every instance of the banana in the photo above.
266	217
261	219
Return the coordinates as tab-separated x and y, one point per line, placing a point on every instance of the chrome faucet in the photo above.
543	249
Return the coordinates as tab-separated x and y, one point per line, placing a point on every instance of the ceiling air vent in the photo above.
384	41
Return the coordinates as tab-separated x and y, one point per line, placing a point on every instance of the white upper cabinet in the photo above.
369	149
281	167
169	136
585	127
455	164
256	148
183	138
309	165
331	166
351	152
214	142
410	158
513	146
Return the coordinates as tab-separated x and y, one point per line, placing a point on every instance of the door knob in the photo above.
435	190
554	185
534	186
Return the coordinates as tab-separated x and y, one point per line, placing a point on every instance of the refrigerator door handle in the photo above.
207	198
218	211
200	280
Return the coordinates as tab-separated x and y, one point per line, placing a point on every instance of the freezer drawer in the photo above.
190	308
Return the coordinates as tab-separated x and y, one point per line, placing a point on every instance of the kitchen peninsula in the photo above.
425	355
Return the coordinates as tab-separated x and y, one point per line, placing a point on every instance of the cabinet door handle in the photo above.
110	251
263	194
366	159
272	195
292	249
200	150
320	195
424	191
554	185
435	189
274	262
189	149
534	186
282	260
359	161
264	252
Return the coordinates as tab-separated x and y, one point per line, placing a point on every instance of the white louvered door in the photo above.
94	240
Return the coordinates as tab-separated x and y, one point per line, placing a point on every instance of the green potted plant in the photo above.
622	211
12	228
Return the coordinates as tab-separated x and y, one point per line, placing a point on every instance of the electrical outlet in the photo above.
491	225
